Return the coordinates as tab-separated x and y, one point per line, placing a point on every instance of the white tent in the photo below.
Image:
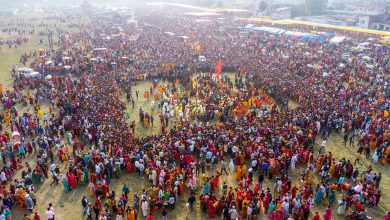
48	62
100	49
337	39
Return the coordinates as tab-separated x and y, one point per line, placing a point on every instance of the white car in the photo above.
25	71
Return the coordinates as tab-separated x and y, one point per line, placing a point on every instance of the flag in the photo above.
386	113
218	68
198	48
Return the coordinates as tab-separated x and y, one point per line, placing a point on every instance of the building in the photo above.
379	21
282	13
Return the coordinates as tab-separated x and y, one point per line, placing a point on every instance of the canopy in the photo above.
313	24
337	39
296	35
249	26
269	30
99	49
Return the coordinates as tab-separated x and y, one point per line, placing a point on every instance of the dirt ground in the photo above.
68	205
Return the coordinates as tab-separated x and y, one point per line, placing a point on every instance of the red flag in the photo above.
218	68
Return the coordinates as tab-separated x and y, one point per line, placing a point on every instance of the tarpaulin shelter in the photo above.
314	24
248	27
295	35
337	39
269	30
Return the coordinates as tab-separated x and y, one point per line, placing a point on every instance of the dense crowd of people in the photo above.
210	125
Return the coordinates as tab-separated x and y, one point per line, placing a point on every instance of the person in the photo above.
340	182
367	152
317	216
378	180
49	214
125	190
130	213
144	207
223	166
164	214
29	202
96	208
233	213
363	215
191	201
65	184
55	178
36	216
341	208
88	211
328	213
332	196
84	203
261	179
150	217
357	160
387	215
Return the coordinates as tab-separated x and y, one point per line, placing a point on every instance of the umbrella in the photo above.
48	77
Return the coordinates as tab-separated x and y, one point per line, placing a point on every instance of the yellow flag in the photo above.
385	113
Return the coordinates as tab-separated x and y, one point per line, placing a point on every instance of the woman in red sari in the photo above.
129	166
266	204
210	209
279	214
71	180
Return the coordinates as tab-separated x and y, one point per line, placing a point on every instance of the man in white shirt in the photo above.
53	167
233	213
45	118
254	165
323	146
97	169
